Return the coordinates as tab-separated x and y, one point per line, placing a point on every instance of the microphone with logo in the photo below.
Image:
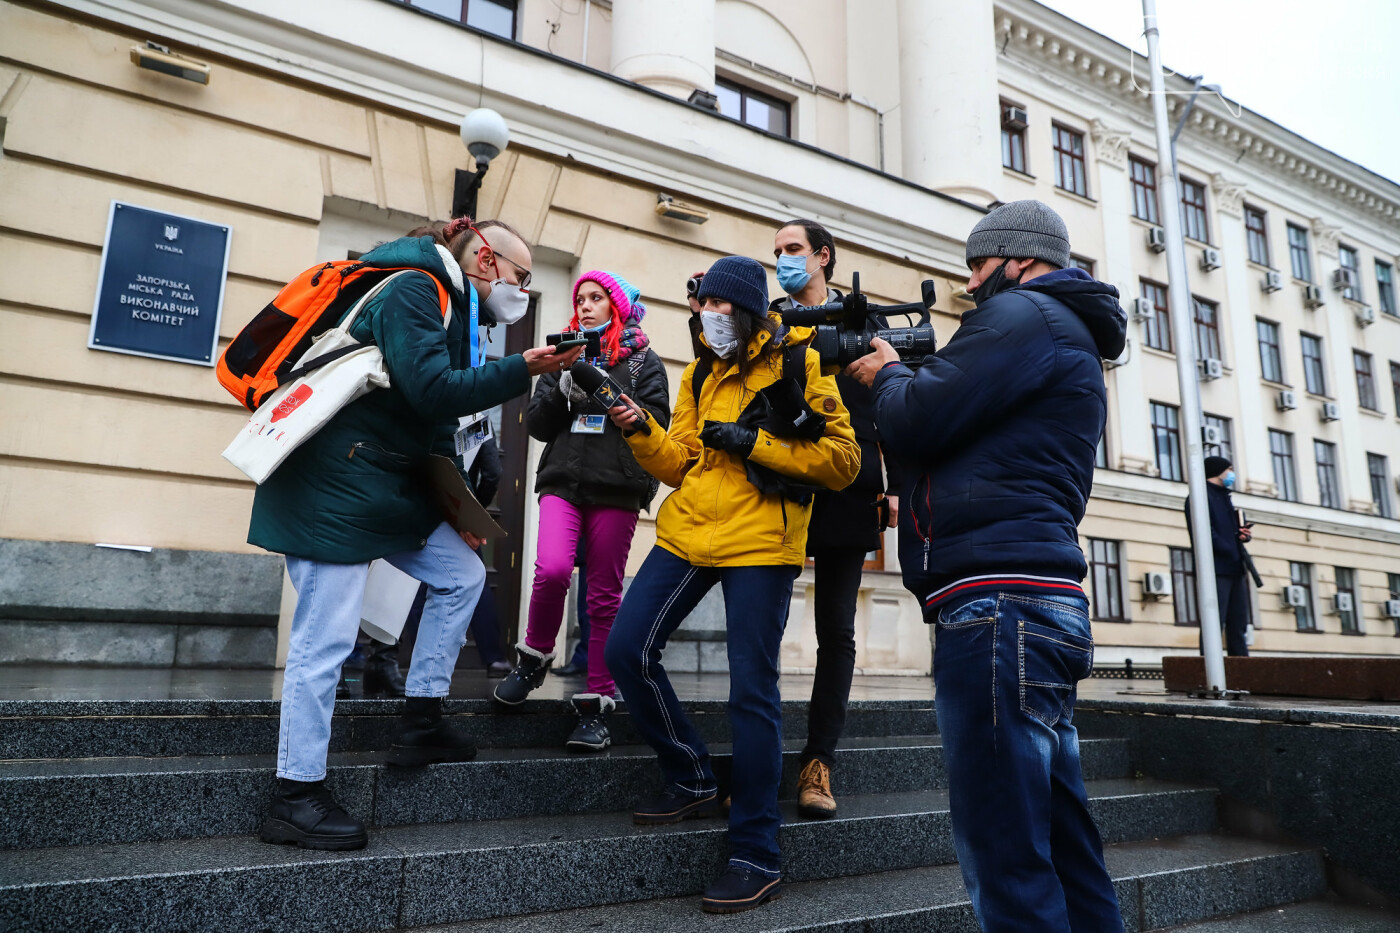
605	392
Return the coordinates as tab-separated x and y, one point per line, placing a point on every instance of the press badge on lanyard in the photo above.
588	424
472	432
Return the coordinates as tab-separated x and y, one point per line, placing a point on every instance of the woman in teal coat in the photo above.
353	493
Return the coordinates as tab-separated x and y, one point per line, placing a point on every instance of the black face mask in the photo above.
995	284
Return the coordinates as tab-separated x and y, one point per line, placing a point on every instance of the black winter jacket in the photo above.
1224	531
597	469
998	430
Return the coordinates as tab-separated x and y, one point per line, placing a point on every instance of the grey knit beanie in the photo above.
1021	230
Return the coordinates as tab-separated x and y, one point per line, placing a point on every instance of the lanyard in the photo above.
475	349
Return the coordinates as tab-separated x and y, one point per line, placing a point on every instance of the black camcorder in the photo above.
846	327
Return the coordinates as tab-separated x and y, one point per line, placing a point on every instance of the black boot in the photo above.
425	737
740	889
382	674
528	673
303	813
352	677
591	733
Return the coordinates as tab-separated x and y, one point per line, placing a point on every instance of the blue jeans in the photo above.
327	619
1005	668
756	600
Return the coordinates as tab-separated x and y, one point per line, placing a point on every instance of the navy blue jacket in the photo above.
997	433
1224	531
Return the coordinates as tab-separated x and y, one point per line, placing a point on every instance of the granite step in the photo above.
47	729
451	872
1159	883
115	800
1307	917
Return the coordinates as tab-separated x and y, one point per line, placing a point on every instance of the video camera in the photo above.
846	327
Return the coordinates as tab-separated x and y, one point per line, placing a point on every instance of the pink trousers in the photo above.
607	537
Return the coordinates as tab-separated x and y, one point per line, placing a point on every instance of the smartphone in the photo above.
566	345
573	338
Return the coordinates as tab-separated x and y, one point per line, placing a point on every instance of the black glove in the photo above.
726	435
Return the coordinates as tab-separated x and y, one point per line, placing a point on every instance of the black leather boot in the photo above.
382	675
351	685
303	813
591	733
425	737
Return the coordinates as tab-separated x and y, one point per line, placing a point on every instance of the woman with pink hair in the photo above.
591	489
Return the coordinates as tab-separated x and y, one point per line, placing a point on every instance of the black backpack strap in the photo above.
795	364
697	380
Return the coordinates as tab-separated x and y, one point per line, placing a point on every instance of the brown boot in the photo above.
814	799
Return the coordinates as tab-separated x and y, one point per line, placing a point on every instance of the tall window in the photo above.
494	16
1314	375
1385	288
1166	434
1365	380
1379	468
1395	384
1069	161
1348	258
1184	587
1193	210
1106	579
753	107
1226	447
1144	181
1081	262
1329	490
1013	138
1157	330
1301	575
1207	329
1351	618
1285	473
1298	253
1270	357
1394	579
1256	234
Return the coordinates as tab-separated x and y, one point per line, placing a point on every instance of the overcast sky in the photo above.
1327	71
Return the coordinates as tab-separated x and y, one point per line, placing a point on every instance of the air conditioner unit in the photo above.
1295	596
1365	315
1210	259
1343	279
1312	297
1273	281
1014	118
1331	411
1341	602
1392	608
1212	436
1142	309
1212	368
1156	239
1157	584
1286	400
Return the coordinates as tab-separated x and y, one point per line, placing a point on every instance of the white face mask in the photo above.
507	303
719	333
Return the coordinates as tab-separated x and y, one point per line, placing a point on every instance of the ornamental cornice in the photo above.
1326	236
1070	50
1111	145
1229	195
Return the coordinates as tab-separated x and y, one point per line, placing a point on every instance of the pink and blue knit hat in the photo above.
626	297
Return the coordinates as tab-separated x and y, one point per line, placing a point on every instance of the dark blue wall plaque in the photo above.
161	289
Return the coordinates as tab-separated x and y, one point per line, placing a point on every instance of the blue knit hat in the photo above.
739	281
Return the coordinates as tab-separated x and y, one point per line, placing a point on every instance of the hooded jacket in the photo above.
716	517
353	491
997	431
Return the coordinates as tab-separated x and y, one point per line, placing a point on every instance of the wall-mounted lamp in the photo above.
485	134
159	58
666	206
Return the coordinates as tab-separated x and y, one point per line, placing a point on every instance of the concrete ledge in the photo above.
1327	678
135	644
71	582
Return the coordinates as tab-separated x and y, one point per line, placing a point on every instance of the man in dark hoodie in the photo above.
1227	538
998	431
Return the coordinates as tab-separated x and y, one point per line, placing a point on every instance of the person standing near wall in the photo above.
1227	539
846	525
719	526
590	489
352	493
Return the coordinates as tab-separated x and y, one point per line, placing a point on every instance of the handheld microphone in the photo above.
607	393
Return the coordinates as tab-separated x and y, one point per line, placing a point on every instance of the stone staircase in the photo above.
140	815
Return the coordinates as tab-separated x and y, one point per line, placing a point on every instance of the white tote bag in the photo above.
389	594
302	407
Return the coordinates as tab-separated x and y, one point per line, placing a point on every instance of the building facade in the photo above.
326	128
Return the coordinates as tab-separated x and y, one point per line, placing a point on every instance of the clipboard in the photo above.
459	507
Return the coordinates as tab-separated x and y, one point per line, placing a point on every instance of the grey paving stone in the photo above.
130	644
1308	917
226	646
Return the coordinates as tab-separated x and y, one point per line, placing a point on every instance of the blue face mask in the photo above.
1229	480
595	330
792	273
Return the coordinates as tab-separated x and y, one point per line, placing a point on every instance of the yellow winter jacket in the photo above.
716	517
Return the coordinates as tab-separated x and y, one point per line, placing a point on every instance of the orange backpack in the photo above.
262	356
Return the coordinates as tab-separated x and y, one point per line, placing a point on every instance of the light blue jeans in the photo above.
327	619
